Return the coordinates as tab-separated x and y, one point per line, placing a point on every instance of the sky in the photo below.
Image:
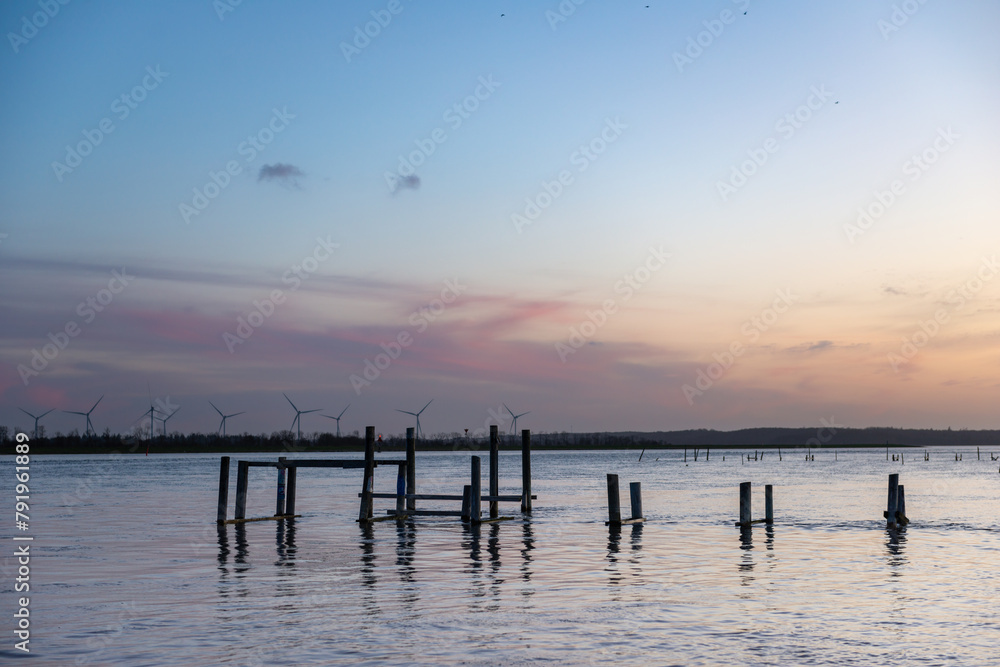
613	216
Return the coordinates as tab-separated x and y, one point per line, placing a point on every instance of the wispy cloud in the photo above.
285	174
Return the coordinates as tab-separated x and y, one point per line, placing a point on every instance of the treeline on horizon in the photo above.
285	441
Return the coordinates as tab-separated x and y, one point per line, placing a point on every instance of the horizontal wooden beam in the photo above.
265	518
433	496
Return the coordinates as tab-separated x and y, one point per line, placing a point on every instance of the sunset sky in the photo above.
617	215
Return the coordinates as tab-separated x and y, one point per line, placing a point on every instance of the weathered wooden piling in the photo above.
290	490
411	468
466	501
901	506
365	512
400	489
494	470
223	490
635	495
242	472
476	509
526	471
890	512
279	507
614	503
745	514
685	455
768	504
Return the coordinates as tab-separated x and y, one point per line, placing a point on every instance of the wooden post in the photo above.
223	490
901	505
779	454
279	507
745	516
890	513
494	470
476	504
685	455
977	453
242	470
707	450
365	513
290	490
635	492
466	502
526	471
401	489
411	468
614	504
768	504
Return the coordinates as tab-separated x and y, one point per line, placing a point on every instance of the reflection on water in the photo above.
895	550
617	560
556	588
285	540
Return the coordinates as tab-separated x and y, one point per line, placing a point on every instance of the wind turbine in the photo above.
164	420
90	426
416	414
337	418
42	415
151	412
513	427
222	424
297	422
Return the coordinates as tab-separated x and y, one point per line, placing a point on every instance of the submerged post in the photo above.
365	513
223	490
290	490
635	492
279	507
768	504
892	507
526	471
745	517
242	470
614	503
411	468
476	504
494	470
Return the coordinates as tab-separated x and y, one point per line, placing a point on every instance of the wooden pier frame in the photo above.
746	498
223	491
411	468
526	496
614	503
494	469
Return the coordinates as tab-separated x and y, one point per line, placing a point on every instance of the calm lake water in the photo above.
129	567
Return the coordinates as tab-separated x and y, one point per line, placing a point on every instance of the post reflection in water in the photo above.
285	540
746	558
528	545
614	553
368	578
223	546
406	543
895	550
242	551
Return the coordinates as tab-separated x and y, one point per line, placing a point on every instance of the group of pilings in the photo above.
471	497
406	482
